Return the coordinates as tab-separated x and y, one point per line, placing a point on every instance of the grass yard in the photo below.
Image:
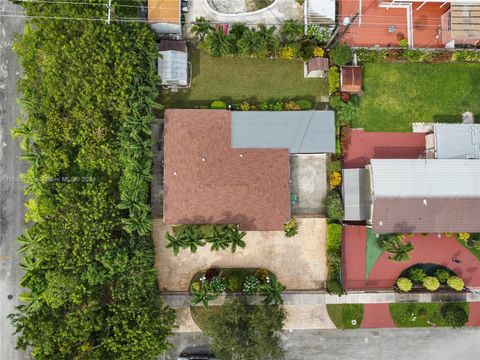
373	251
419	314
234	79
343	314
398	94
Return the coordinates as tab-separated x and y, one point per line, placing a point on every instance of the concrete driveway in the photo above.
280	11
298	262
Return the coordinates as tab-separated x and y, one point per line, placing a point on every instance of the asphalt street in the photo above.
11	189
378	344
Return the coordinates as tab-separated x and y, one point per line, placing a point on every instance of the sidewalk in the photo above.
319	298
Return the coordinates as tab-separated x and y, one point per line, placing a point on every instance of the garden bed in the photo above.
420	314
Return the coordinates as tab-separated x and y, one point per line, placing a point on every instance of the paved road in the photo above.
11	193
378	344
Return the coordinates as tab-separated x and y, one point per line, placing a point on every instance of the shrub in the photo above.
335	178
291	228
442	275
346	114
235	280
412	55
345	135
431	283
464	236
195	287
292	30
306	49
334	287
333	205
454	315
244	106
318	52
250	285
262	275
333	79
286	52
334	237
403	43
304	104
335	165
404	284
290	106
218	284
365	55
465	55
220	105
455	283
416	275
341	55
264	106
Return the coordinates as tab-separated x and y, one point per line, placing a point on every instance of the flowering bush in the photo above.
251	284
286	52
333	79
431	283
463	236
245	106
291	105
455	283
318	52
442	275
335	178
404	284
218	284
262	275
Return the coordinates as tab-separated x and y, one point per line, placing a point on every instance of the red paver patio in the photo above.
377	316
474	317
427	249
371	28
364	146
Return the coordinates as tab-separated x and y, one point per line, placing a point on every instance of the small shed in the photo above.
173	66
316	67
351	79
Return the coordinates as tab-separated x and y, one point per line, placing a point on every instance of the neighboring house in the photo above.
351	79
424	24
454	141
424	195
164	18
214	173
316	67
173	65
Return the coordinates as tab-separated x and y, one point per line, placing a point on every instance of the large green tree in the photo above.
89	96
246	332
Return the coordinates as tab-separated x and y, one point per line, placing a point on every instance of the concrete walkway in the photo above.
321	298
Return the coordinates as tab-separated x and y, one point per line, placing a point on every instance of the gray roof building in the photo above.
457	141
301	132
356	194
432	195
173	63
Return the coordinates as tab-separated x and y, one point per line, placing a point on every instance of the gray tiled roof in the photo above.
457	141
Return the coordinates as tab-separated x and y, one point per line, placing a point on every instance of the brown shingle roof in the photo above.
207	182
178	45
317	63
351	79
411	215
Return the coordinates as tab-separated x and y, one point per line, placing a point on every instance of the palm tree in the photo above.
192	236
398	248
251	44
292	30
201	28
219	238
174	243
268	37
236	237
217	43
202	295
272	290
28	241
237	30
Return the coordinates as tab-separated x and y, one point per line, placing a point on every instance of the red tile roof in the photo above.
351	79
208	182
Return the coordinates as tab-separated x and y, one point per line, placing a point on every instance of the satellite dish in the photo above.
346	21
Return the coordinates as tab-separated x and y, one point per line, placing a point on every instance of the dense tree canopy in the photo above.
88	95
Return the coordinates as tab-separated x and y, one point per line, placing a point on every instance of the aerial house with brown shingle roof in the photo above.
425	195
209	181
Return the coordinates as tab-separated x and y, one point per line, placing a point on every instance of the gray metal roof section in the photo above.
302	132
173	67
457	141
425	178
356	194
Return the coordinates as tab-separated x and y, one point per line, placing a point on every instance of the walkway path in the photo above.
377	316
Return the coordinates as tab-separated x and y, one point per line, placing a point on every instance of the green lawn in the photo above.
343	314
419	314
373	251
236	79
398	94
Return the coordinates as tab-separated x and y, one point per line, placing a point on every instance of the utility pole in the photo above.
109	8
347	26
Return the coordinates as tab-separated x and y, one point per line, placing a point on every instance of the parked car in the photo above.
185	356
